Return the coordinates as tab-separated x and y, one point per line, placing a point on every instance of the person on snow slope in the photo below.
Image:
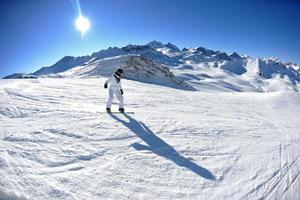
115	88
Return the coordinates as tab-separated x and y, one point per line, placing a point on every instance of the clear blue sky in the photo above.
37	33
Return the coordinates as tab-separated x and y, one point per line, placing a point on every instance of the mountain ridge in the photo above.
185	64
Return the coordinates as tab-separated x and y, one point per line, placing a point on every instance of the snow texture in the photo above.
10	195
56	142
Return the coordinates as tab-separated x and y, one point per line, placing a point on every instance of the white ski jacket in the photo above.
113	83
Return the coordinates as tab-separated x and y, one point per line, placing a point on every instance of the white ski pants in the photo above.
111	93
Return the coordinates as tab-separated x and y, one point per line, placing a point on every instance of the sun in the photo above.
82	24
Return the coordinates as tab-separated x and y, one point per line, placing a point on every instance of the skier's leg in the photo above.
110	99
121	99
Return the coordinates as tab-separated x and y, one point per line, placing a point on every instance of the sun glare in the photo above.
82	24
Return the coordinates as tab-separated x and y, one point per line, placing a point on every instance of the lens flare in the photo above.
82	24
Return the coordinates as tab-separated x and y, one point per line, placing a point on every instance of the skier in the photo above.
115	88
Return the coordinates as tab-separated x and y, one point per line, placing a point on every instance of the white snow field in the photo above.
56	142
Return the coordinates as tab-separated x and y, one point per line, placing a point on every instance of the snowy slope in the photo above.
236	76
56	143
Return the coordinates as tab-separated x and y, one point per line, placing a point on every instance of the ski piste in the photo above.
167	149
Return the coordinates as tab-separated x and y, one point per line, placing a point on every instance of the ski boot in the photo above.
122	110
108	110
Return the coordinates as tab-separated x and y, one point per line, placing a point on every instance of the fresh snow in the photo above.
179	144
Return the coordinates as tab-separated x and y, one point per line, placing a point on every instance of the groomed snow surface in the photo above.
57	142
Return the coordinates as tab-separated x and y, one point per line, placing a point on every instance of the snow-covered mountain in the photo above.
20	76
136	67
167	49
64	64
198	68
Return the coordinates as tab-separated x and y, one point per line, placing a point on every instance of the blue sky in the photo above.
37	33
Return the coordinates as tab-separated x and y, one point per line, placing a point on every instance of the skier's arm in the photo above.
106	82
121	89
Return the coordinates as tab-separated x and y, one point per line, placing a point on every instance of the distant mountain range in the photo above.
189	68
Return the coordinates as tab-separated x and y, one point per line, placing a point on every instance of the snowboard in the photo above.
116	112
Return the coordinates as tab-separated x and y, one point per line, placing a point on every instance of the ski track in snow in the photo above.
55	144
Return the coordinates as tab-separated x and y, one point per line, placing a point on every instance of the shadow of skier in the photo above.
160	147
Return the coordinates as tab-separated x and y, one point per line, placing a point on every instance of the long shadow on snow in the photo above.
160	147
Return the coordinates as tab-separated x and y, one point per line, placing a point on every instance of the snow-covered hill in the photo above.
56	142
136	67
20	76
64	64
198	68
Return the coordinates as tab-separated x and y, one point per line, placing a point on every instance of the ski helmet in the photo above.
119	72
